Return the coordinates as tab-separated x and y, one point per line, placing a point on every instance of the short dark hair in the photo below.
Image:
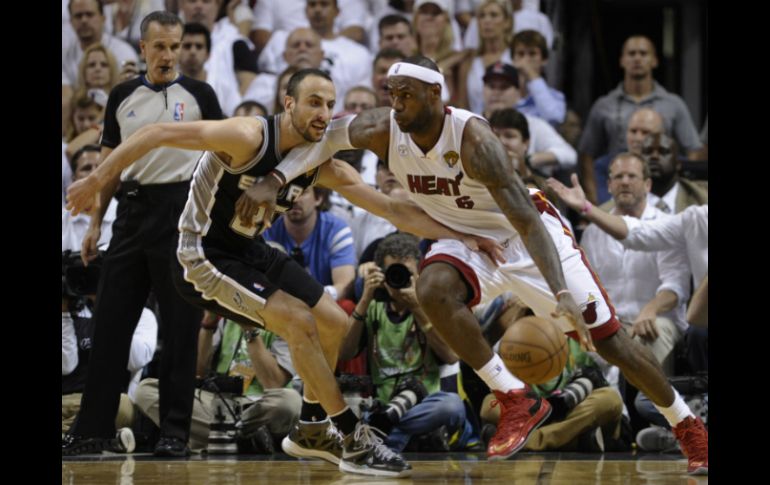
399	245
530	38
297	77
388	53
196	28
510	118
645	168
250	104
393	19
422	61
76	156
99	5
162	17
324	194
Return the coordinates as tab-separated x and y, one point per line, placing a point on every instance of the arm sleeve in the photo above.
111	132
69	345
548	139
308	156
593	141
144	342
243	57
209	103
341	247
684	129
665	233
550	102
674	273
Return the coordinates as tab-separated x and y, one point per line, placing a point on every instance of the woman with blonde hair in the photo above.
435	39
97	74
495	26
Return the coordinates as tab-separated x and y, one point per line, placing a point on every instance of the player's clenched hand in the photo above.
263	194
566	307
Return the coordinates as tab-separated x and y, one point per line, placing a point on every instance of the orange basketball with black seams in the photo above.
534	349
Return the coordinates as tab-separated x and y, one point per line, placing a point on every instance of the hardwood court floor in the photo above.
448	469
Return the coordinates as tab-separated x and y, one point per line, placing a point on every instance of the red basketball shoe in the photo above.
694	439
521	412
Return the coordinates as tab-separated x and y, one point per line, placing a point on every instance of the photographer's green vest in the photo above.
576	360
234	357
397	350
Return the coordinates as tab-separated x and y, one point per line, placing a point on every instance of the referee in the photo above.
152	196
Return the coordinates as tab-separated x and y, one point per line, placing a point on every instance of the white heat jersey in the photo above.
438	183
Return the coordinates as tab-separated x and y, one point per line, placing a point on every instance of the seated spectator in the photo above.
267	407
403	351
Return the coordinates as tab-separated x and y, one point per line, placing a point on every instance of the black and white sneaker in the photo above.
314	440
79	445
124	441
364	453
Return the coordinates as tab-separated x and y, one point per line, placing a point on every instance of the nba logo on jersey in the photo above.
179	112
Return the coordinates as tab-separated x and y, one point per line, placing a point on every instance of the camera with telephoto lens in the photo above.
408	393
583	382
398	276
223	433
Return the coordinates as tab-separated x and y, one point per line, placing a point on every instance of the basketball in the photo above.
534	349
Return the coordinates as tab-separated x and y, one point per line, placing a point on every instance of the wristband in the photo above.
279	176
586	208
356	316
332	291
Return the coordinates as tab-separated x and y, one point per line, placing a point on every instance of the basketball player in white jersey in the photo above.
457	170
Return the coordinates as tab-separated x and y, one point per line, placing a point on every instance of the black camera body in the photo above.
583	382
408	393
398	276
78	280
222	383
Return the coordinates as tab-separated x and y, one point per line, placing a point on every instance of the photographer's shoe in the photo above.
521	412
78	445
364	453
694	440
124	441
314	440
171	446
656	438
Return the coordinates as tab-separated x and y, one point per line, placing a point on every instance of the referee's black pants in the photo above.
139	258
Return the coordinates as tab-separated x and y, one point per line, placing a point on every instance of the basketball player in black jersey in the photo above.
226	267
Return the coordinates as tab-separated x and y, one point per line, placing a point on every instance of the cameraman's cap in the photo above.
501	70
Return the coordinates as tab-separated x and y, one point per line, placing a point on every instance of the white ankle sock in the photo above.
497	376
677	412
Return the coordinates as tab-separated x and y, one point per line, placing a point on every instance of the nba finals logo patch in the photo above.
451	158
179	112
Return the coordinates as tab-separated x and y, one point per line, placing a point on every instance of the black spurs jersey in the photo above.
210	209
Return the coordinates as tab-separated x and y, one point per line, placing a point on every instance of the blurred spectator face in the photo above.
193	54
385	179
642	123
660	153
357	101
86	21
97	72
430	18
493	22
303	49
531	54
499	94
627	183
304	206
513	142
86	164
398	37
201	11
321	14
638	58
380	79
251	111
572	128
85	118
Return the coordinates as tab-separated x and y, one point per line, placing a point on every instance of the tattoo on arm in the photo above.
371	130
485	160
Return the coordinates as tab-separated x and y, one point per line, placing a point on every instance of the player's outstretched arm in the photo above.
236	138
484	159
404	214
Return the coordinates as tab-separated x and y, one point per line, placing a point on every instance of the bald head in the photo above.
303	49
643	122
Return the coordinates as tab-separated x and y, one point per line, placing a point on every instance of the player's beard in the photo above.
304	132
419	122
